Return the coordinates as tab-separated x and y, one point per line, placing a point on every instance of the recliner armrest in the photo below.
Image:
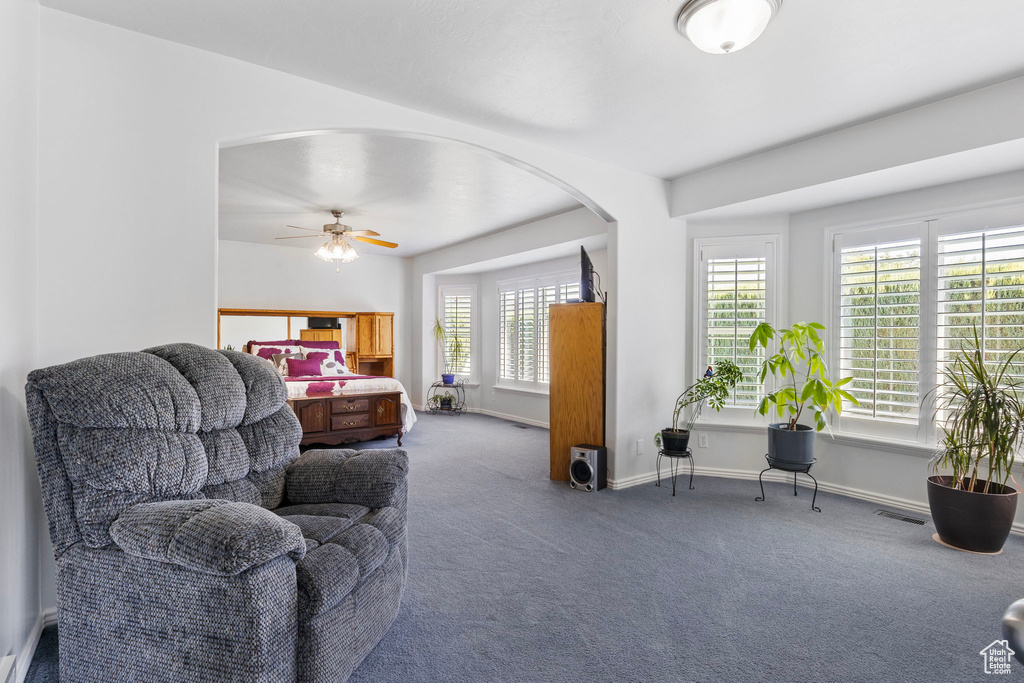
374	478
211	536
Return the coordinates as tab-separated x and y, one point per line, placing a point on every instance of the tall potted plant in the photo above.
799	365
981	409
712	388
453	352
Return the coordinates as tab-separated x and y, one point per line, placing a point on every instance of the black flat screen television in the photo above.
323	323
586	277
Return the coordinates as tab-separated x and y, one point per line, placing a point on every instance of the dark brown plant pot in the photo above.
971	520
675	440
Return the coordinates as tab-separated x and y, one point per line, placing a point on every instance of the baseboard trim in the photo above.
779	477
49	617
510	418
28	651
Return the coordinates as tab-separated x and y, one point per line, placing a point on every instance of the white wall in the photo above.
22	526
267	276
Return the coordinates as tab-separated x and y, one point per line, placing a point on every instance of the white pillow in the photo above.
332	361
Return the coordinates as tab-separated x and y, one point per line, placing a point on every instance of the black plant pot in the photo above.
790	449
446	404
971	520
675	440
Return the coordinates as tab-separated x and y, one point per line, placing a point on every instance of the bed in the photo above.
334	404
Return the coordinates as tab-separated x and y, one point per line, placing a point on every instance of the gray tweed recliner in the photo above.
193	542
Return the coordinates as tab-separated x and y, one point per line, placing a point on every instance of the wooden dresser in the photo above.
335	420
577	381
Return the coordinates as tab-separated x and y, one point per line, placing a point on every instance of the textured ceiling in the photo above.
610	79
422	194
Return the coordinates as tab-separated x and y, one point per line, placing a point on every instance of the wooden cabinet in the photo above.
375	344
376	334
336	420
577	381
321	335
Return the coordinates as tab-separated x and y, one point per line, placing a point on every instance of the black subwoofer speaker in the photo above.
588	468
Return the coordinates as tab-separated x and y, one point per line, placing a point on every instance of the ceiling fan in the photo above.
337	247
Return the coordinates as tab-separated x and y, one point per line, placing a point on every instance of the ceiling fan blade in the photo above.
296	237
379	243
362	233
298	228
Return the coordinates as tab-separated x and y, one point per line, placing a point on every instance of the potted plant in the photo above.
981	408
445	401
452	352
799	365
712	388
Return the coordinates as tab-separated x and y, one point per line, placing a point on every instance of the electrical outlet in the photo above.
702	441
639	446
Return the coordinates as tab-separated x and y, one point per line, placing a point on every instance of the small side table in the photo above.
458	406
795	469
675	457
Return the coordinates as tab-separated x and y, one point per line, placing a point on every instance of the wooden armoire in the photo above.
577	391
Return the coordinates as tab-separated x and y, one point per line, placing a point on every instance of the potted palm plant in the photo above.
713	388
980	406
798	364
453	352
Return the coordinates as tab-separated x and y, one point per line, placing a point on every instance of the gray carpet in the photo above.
516	578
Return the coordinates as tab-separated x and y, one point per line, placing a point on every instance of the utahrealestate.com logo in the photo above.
997	657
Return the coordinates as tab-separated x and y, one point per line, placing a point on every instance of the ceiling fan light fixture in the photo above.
724	26
337	249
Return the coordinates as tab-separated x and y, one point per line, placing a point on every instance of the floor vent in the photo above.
520	426
902	518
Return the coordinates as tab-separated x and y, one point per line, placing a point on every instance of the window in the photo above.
981	286
879	328
457	319
523	335
905	298
737	294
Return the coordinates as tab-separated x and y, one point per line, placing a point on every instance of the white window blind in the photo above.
880	325
736	303
981	286
457	319
523	340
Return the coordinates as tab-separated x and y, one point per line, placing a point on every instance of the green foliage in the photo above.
454	351
982	406
713	390
799	363
436	399
229	347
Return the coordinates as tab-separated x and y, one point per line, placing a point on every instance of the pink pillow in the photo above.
298	367
330	344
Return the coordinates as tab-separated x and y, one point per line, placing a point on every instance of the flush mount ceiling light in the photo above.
722	26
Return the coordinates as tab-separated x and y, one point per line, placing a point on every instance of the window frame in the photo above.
557	280
977	219
766	245
473	378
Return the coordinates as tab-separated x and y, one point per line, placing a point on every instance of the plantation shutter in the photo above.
507	335
524	342
735	303
981	286
457	315
880	329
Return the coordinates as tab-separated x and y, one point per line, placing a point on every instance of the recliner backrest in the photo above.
179	421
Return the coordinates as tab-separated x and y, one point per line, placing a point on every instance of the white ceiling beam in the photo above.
982	118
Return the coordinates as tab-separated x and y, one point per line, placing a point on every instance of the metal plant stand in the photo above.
458	405
675	457
795	469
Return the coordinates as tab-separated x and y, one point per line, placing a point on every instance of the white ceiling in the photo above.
610	79
421	194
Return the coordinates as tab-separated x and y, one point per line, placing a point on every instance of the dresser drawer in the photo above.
340	406
350	421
